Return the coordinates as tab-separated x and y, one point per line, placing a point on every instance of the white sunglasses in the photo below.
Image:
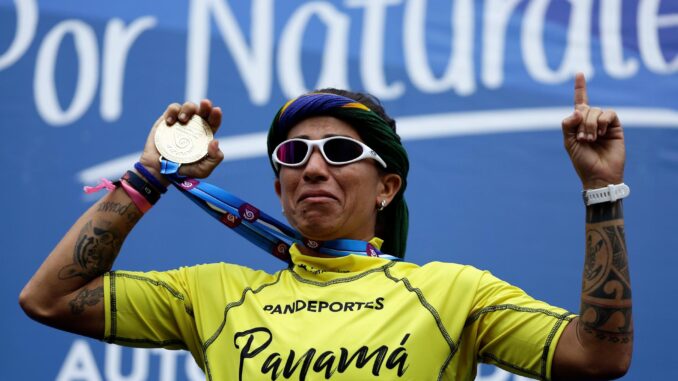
336	150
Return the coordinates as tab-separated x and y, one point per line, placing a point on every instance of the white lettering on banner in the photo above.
26	24
578	48
254	58
168	363
372	49
254	65
649	22
611	41
334	71
192	371
498	375
79	364
113	364
495	20
459	74
117	42
44	85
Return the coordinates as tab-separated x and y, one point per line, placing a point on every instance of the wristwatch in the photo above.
610	193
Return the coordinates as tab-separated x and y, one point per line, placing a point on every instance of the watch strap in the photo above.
610	193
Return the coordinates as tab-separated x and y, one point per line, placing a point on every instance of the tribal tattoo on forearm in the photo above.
86	298
606	286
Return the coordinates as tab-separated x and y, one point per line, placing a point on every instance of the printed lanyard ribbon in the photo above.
271	235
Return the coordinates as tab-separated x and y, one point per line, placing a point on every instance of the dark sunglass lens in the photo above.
342	150
292	152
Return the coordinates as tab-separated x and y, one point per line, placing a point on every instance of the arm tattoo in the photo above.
113	207
606	285
86	298
94	252
127	211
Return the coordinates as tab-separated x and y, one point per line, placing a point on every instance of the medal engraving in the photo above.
184	144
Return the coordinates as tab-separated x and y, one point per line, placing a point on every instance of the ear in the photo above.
389	187
278	189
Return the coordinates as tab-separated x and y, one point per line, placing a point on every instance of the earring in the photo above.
382	205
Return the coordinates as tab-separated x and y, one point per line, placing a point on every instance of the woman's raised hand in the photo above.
175	112
594	139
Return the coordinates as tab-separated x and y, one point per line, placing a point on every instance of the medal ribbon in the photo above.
271	235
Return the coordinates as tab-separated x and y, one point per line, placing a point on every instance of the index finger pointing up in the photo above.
580	97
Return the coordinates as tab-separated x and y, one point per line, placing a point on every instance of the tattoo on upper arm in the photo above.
606	287
86	298
95	249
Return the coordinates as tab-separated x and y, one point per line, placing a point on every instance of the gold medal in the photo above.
184	144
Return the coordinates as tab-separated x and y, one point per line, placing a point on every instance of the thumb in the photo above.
213	151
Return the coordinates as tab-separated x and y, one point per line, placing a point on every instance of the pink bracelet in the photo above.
136	197
104	183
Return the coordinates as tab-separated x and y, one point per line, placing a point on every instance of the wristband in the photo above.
149	176
142	204
103	183
142	187
611	193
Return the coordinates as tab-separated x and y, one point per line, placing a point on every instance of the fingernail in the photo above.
590	137
580	135
182	116
169	120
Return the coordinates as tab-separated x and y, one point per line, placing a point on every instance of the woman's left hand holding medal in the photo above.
191	118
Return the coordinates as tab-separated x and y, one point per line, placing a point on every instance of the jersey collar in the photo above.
306	265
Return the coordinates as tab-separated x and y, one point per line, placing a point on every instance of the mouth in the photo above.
316	196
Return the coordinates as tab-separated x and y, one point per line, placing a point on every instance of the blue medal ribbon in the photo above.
271	235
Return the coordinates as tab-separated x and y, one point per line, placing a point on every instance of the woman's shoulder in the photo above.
437	266
436	271
230	267
228	272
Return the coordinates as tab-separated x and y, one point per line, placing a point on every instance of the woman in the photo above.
341	173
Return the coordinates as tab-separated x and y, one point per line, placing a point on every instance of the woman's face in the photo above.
324	201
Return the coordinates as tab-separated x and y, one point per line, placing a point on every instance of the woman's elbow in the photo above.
35	307
620	368
611	369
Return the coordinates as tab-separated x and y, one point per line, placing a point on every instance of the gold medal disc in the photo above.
181	143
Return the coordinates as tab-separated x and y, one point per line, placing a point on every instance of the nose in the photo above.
316	167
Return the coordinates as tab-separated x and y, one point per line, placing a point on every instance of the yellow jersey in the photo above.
347	318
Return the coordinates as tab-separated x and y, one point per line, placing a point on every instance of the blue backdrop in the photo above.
479	89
